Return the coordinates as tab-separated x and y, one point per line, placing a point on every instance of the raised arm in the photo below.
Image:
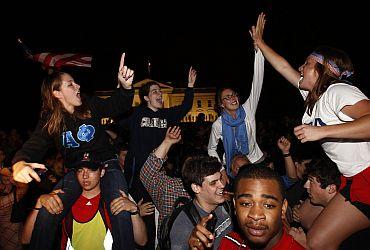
179	111
192	77
151	174
284	146
277	62
125	75
121	99
251	103
173	136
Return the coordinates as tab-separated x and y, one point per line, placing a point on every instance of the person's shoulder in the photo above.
295	245
232	241
344	90
340	87
180	218
288	242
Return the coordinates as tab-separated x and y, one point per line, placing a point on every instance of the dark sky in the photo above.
214	39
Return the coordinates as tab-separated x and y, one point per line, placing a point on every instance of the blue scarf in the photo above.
234	134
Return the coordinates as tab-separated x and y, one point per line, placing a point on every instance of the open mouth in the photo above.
220	192
159	100
300	79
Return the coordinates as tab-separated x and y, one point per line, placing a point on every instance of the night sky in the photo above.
214	39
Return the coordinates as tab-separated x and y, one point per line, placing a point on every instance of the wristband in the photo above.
136	212
286	155
36	208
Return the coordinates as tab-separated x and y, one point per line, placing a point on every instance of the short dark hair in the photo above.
260	172
196	167
325	171
144	91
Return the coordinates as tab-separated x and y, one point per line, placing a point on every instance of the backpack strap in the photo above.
180	200
227	207
192	212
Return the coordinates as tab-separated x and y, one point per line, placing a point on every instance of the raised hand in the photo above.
284	145
192	77
256	32
125	75
173	135
24	172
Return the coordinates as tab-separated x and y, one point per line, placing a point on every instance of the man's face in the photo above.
154	98
211	189
237	164
301	167
318	195
89	179
259	207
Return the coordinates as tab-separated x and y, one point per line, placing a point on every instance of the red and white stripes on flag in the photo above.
52	60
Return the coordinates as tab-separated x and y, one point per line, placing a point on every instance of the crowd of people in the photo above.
247	186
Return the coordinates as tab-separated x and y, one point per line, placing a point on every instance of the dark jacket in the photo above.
79	136
148	129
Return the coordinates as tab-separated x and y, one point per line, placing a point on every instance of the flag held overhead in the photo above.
57	60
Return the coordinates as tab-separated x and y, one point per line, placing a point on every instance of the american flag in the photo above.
57	60
52	60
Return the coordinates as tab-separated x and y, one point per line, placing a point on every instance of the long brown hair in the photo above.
53	109
326	77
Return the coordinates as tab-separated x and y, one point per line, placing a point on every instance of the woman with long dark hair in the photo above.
73	122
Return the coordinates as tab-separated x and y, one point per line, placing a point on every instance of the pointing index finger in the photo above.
122	63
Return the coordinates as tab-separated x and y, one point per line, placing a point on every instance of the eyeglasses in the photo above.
156	91
229	97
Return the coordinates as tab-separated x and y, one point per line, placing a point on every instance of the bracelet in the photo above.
286	155
135	213
36	208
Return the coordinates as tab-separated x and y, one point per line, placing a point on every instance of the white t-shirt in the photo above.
350	156
250	107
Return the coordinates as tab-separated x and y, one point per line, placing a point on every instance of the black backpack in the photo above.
164	241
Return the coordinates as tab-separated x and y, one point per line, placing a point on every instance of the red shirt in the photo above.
233	241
